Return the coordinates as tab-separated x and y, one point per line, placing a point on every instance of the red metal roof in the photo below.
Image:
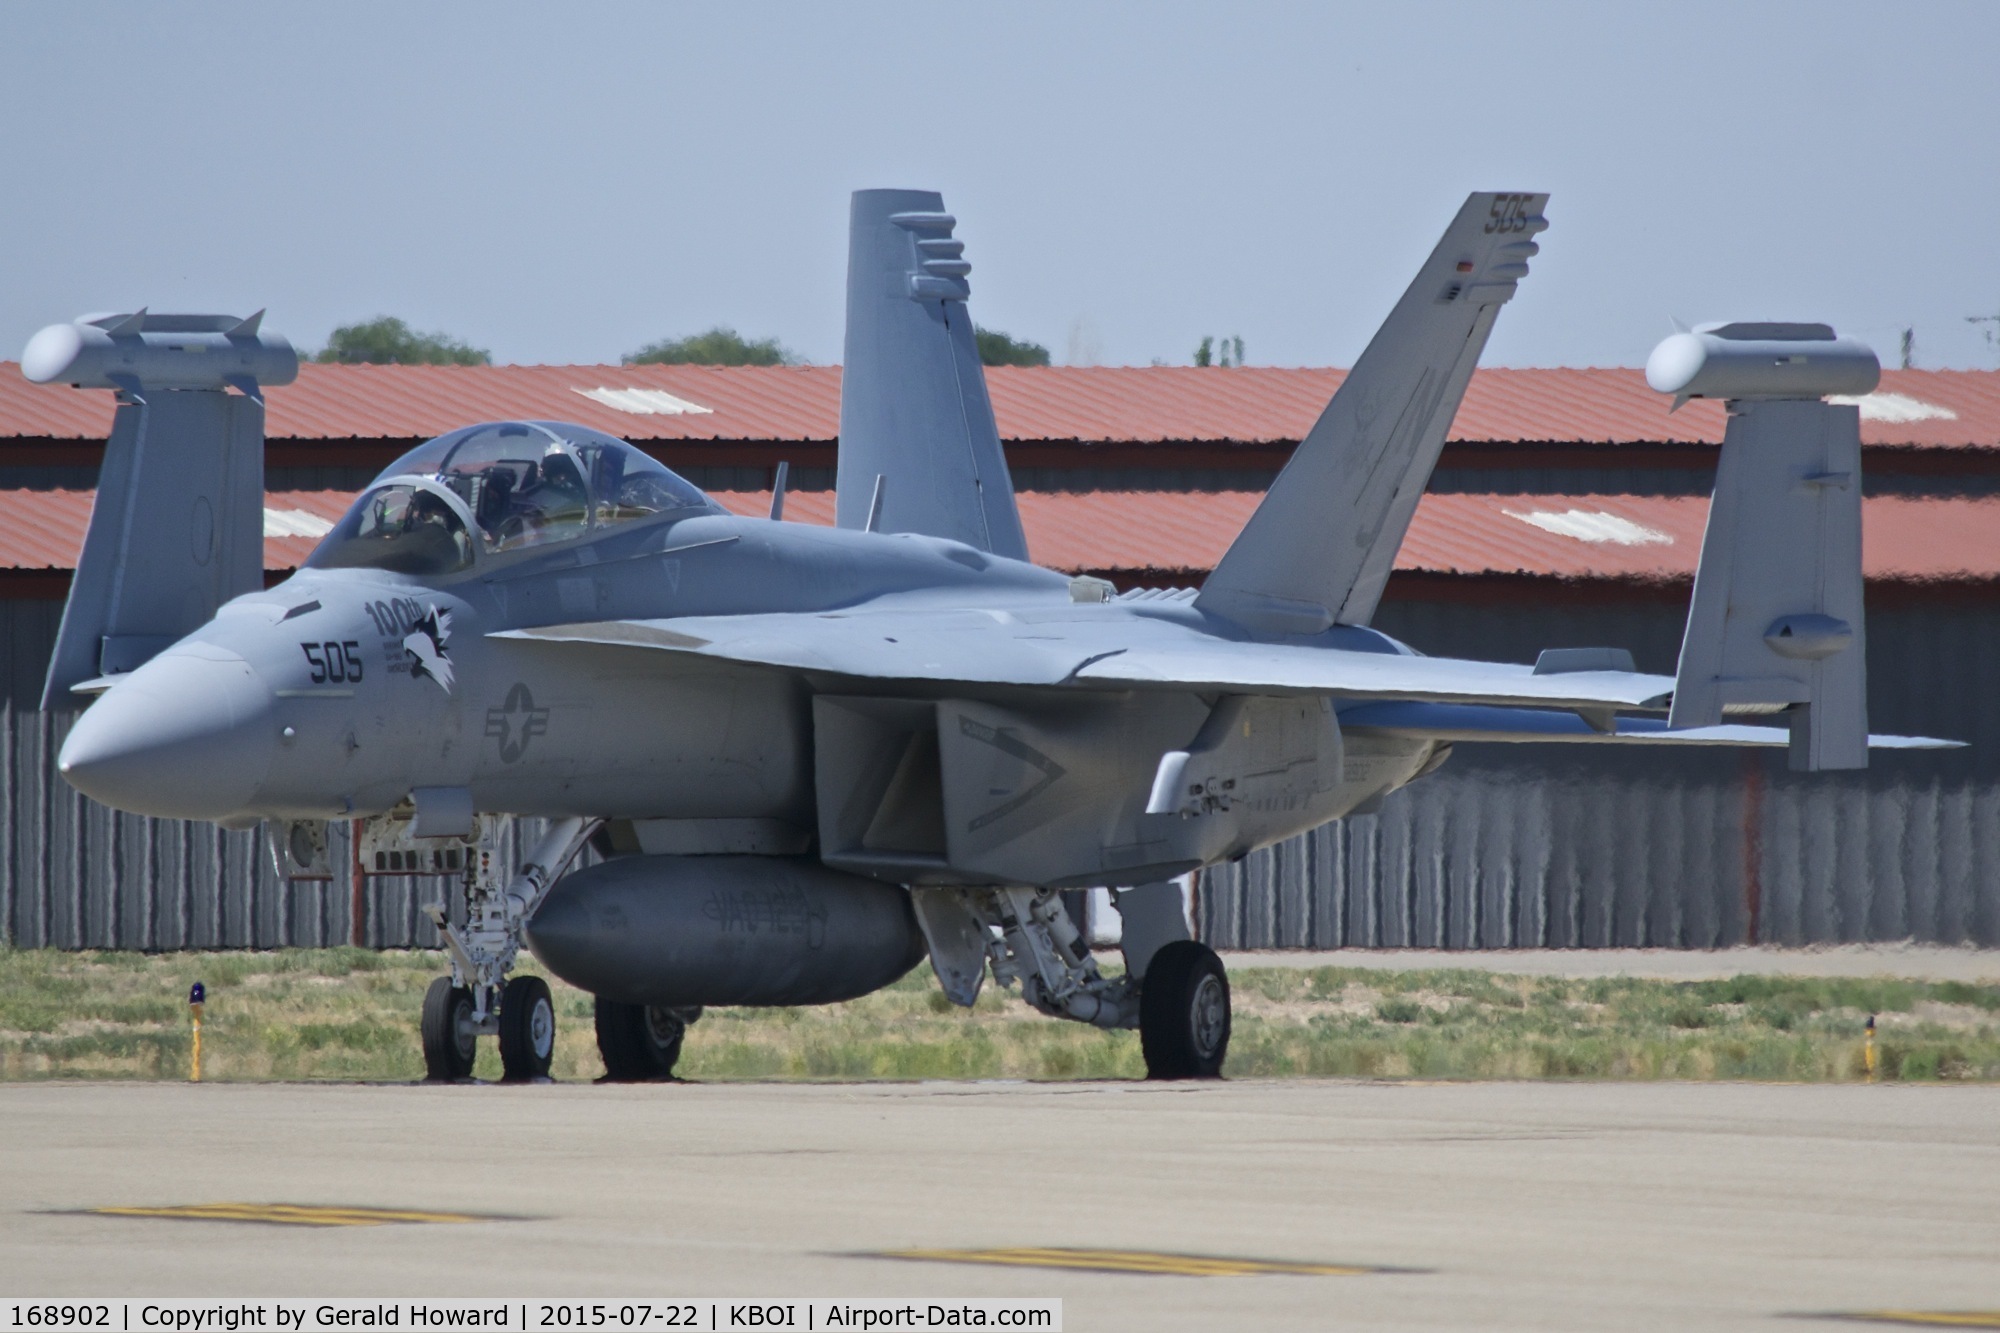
44	529
1549	536
1111	404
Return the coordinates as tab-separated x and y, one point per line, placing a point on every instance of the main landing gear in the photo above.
1184	1012
478	999
640	1043
1176	992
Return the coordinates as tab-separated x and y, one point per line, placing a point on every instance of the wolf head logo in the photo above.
426	646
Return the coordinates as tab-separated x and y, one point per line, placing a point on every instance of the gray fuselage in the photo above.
309	700
340	692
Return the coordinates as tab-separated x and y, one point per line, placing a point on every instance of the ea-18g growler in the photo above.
809	758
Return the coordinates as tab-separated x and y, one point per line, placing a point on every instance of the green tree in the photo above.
720	346
388	341
997	349
1219	352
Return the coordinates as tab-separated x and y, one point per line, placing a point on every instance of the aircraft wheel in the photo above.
527	1029
1184	1012
449	1041
640	1043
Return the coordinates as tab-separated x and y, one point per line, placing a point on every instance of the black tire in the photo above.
640	1043
1184	1012
527	1030
449	1041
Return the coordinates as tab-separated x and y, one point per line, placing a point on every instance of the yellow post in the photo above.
1868	1048
196	996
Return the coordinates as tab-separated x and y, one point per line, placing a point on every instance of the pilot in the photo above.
625	494
549	502
435	533
496	512
561	489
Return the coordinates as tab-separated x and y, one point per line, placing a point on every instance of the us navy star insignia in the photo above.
517	722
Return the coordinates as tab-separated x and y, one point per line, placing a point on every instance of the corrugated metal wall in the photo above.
1557	846
1510	846
75	875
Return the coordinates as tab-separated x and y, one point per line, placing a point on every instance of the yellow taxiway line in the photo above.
291	1214
1133	1261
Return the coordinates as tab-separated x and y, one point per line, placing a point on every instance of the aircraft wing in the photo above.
1079	649
930	645
1469	722
1229	666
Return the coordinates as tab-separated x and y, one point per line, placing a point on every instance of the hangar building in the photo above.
1566	512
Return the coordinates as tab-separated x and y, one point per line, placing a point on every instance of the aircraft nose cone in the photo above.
189	735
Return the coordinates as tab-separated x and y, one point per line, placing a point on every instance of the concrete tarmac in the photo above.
1529	1206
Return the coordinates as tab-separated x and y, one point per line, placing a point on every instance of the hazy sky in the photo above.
567	182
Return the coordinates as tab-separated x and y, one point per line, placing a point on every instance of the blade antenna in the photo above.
778	492
874	506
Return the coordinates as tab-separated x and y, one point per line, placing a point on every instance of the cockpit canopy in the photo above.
515	484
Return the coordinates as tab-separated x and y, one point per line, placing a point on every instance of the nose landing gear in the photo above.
451	1037
527	1029
478	999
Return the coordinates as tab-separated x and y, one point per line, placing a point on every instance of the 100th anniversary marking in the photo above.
424	1316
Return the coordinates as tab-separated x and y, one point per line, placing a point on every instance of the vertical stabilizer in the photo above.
178	524
913	404
1776	622
1319	549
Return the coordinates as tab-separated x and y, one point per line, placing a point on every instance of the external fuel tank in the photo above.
725	930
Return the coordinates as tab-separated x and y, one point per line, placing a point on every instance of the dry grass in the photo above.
351	1014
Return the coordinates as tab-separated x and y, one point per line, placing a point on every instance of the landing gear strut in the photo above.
477	999
1032	940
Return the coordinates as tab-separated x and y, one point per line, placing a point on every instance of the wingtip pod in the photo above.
1776	622
50	352
159	351
1761	360
1320	547
196	448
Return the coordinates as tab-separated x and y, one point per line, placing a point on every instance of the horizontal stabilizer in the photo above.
1463	722
1319	549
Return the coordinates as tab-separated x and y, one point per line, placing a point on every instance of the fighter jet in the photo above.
809	758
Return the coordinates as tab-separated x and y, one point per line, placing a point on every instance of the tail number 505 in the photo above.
1509	213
